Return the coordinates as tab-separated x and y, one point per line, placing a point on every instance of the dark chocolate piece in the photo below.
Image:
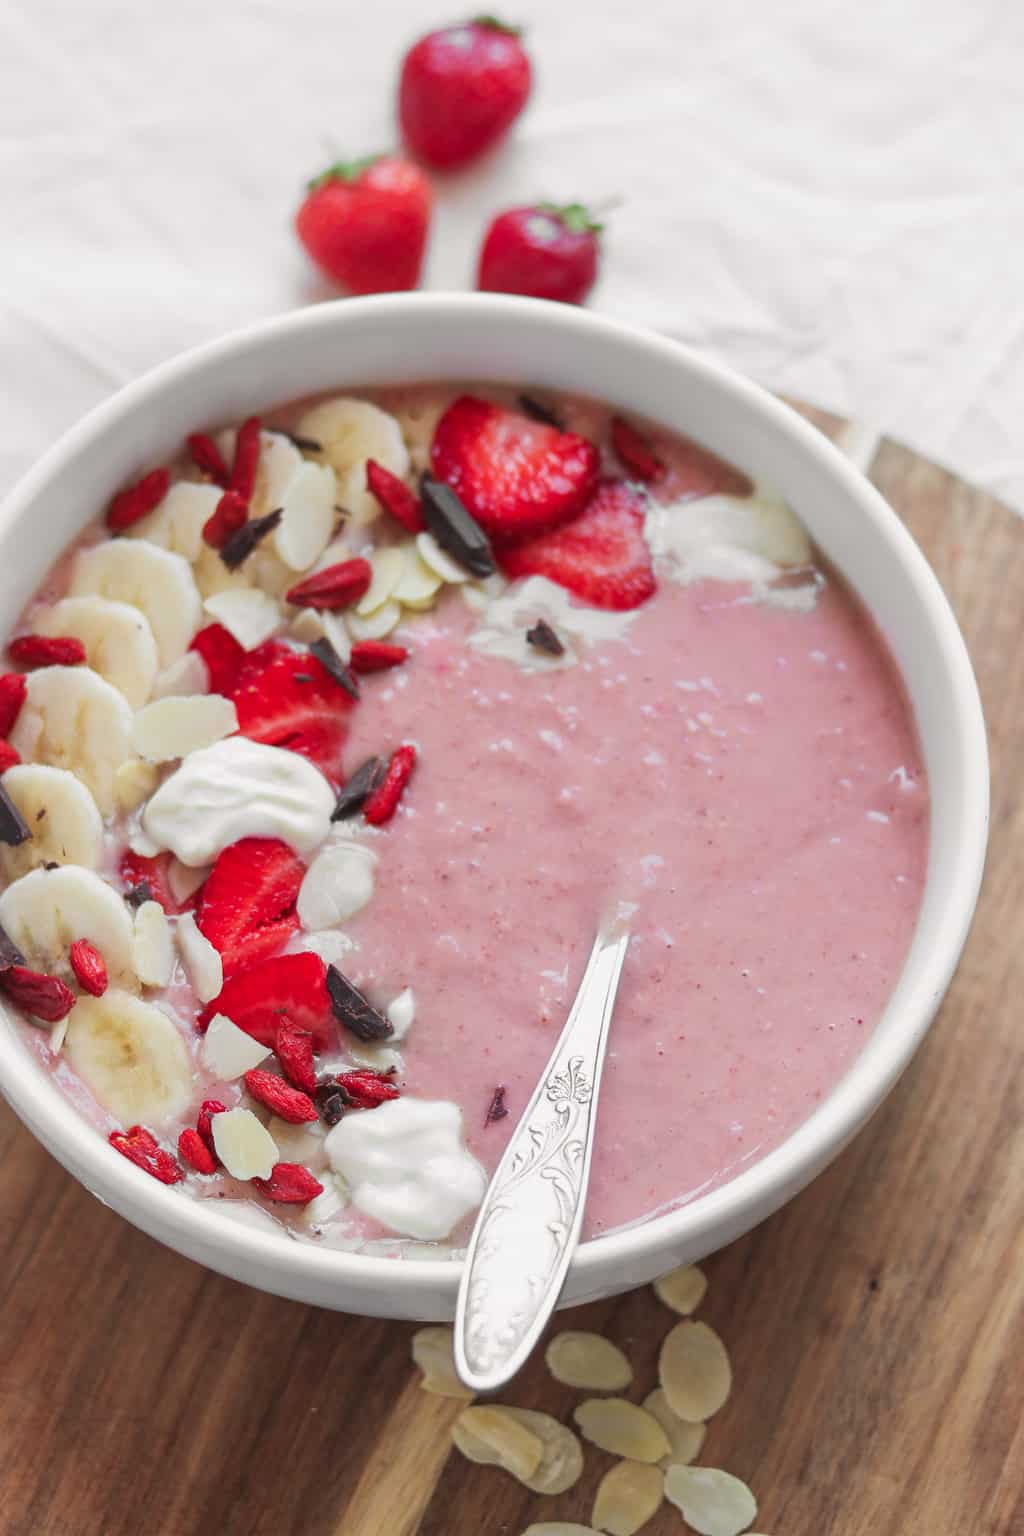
135	895
328	657
496	1109
538	411
354	1011
242	543
544	638
358	789
13	827
333	1108
304	444
454	529
10	954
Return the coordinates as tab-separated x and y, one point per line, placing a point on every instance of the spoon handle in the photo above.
529	1222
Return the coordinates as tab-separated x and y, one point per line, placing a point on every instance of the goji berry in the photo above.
394	496
140	1147
294	1050
207	1110
376	656
286	1102
192	1149
289	1184
47	651
45	997
247	458
208	457
383	803
230	514
10	757
364	1088
87	964
336	587
635	451
137	501
13	688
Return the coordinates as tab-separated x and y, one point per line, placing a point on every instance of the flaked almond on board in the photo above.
627	1497
588	1361
432	1351
622	1429
694	1370
713	1502
682	1289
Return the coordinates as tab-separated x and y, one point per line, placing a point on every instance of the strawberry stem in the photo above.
493	24
342	170
575	216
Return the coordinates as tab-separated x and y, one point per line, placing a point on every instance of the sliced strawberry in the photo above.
151	876
247	910
288	698
285	986
223	656
602	557
514	475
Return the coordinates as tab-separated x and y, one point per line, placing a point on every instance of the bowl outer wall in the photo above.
411	338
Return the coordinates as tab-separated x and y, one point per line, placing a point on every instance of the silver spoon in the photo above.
529	1222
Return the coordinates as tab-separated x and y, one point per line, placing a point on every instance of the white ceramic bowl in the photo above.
404	339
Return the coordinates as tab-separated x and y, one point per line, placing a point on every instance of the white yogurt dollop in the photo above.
239	788
727	538
407	1166
507	617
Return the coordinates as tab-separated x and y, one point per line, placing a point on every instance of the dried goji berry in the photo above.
294	1050
364	1088
207	1110
382	804
192	1149
137	501
286	1102
140	1147
635	451
376	656
10	757
289	1184
45	997
208	457
230	514
13	688
47	651
247	458
87	964
394	496
336	587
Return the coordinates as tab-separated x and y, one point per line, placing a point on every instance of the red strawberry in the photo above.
394	496
541	250
247	909
257	998
288	699
514	475
151	873
461	88
223	656
365	223
602	556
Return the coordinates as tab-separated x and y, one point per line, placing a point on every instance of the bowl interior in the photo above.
409	339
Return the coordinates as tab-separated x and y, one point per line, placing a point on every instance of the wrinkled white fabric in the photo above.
823	194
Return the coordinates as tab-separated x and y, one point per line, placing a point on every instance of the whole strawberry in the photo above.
544	251
365	223
461	88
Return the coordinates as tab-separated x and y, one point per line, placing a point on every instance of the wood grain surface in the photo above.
876	1324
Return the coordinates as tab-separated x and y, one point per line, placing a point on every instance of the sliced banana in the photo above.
177	523
118	641
417	422
48	909
62	816
131	1058
350	432
72	719
155	580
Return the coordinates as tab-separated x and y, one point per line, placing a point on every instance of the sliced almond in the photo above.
336	886
184	677
57	1034
134	782
152	948
627	1497
337	633
694	1371
299	1143
173	727
562	1462
333	1198
685	1438
388	565
510	1443
622	1428
713	1502
377	624
244	1146
307	626
439	560
249	615
307	515
418	584
228	1052
589	1361
432	1352
401	1012
682	1289
202	962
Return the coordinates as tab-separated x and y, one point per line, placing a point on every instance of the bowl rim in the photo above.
731	1207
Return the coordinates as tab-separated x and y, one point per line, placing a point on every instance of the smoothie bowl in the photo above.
359	666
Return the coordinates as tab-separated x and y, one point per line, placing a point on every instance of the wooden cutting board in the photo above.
876	1324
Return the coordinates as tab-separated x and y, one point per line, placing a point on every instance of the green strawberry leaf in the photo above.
493	24
342	170
575	216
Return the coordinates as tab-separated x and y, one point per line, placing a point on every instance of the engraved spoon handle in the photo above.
529	1222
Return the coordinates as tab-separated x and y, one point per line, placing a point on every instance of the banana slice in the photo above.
72	719
155	580
62	815
48	909
118	641
177	523
417	422
350	432
130	1056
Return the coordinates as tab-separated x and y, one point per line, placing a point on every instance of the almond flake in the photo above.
57	1034
509	1443
173	727
152	949
685	1438
337	634
713	1502
377	625
185	677
694	1371
307	515
323	1207
299	1143
244	1146
227	1051
419	584
627	1497
432	1352
134	782
307	626
562	1465
336	886
202	962
388	566
589	1361
250	616
401	1012
621	1428
682	1289
439	560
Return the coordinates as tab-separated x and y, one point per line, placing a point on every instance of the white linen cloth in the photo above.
829	196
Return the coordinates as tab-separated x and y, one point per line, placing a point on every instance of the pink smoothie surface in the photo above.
745	780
